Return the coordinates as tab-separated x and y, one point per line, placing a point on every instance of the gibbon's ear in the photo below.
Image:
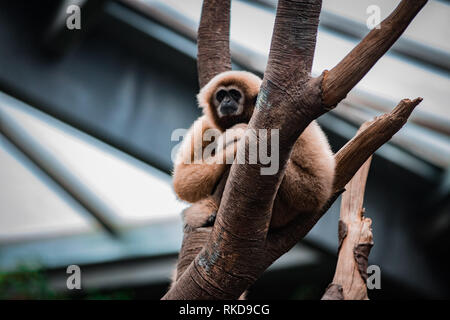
248	82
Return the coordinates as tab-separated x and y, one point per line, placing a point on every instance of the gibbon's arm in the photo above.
308	179
195	181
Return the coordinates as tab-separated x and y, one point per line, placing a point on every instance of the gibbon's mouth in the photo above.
228	110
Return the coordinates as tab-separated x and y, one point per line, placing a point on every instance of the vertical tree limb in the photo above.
225	266
293	42
213	56
355	239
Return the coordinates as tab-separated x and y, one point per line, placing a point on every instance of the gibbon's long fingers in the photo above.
346	74
213	40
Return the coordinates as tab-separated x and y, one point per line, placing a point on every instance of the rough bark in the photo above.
375	134
355	239
347	73
278	242
213	40
239	247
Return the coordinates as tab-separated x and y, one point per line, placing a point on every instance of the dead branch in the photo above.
355	242
240	247
377	133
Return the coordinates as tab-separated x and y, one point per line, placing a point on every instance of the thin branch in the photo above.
213	39
350	70
355	242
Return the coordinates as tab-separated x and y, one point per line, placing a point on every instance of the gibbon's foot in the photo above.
200	214
211	220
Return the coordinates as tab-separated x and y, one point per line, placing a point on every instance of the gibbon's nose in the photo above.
228	107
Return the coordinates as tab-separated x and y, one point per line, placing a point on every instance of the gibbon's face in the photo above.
229	101
229	98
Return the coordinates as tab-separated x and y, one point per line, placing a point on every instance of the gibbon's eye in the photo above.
235	94
220	95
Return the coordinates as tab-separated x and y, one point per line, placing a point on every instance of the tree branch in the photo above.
350	70
355	242
293	41
377	133
225	267
240	247
349	159
213	55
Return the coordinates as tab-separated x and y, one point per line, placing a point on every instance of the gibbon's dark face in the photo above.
229	98
231	106
229	101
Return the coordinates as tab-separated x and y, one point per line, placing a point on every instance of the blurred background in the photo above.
86	118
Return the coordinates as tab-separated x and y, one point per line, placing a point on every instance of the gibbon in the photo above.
228	101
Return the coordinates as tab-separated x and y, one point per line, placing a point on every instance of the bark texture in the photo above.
355	238
213	40
347	73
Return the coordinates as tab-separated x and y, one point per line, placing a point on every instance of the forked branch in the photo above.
348	161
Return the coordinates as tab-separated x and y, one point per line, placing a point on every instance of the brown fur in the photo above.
308	180
309	175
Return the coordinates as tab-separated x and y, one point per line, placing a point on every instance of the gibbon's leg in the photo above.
308	180
203	212
193	182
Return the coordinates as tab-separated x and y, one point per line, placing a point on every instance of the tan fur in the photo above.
308	180
195	181
309	175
